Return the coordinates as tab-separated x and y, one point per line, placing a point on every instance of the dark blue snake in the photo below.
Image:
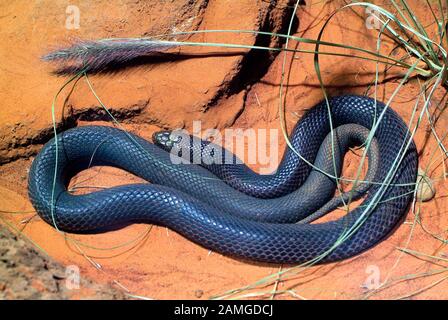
263	218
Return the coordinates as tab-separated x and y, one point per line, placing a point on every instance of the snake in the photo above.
230	209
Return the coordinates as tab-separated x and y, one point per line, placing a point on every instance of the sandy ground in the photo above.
223	91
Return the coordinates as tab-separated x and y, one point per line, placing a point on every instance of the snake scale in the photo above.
228	208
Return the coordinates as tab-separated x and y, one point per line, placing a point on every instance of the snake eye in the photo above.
175	138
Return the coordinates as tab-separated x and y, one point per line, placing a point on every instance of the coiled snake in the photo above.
247	215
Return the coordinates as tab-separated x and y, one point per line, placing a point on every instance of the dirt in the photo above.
26	273
33	29
223	88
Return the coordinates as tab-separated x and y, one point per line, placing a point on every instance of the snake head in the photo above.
166	139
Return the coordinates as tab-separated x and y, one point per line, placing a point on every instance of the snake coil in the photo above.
260	225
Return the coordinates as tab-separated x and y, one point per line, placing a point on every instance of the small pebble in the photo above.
425	187
198	293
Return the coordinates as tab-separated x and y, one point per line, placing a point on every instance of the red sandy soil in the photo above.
224	91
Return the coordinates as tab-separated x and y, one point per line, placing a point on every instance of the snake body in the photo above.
219	215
